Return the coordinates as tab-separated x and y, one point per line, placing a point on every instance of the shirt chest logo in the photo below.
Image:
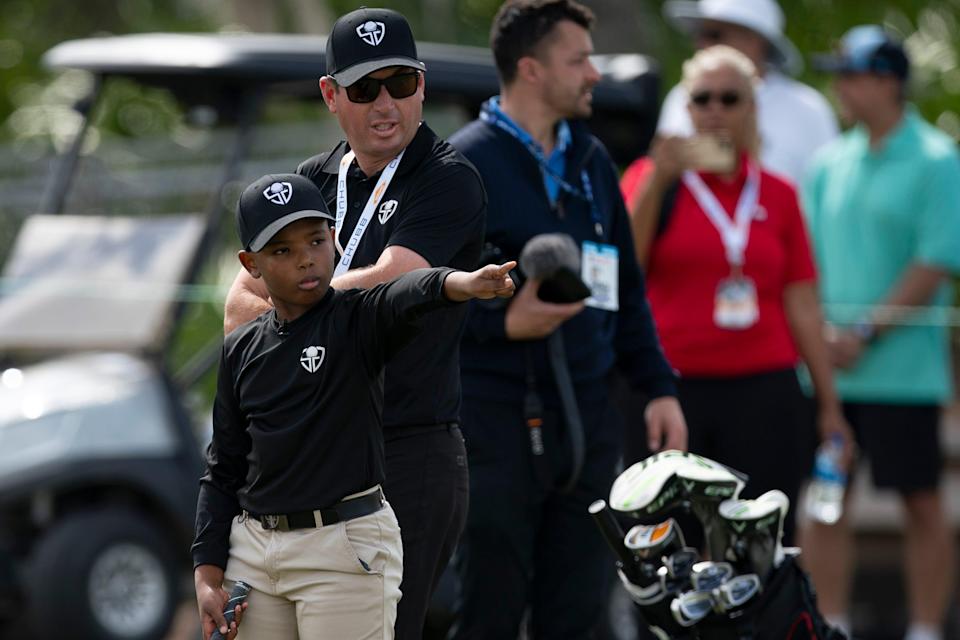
386	211
312	357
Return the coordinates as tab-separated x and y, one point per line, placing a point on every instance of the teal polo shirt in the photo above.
871	214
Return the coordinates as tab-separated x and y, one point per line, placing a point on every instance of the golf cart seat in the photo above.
81	283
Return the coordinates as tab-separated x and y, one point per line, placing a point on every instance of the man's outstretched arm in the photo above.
247	299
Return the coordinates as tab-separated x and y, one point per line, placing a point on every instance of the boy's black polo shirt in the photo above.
440	214
296	421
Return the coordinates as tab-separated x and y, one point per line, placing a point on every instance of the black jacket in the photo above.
296	421
518	209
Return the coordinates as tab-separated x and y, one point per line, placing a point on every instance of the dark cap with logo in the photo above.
867	49
273	202
366	40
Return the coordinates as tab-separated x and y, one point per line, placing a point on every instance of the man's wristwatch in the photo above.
866	332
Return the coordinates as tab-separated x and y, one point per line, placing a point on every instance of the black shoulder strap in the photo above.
666	207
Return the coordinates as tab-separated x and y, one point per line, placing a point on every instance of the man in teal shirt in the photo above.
883	206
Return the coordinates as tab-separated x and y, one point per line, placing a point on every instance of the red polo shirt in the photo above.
687	262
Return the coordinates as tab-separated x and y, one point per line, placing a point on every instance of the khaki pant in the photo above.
337	582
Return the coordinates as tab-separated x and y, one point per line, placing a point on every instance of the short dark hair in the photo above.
520	26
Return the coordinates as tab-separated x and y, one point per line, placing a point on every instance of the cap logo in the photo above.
312	358
372	32
278	192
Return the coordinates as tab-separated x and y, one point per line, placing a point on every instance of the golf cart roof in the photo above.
205	68
265	58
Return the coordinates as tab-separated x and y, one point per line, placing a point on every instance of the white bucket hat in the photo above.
762	16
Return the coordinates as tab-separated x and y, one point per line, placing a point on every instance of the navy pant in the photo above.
525	544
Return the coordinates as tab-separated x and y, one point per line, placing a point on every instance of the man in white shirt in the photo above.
794	120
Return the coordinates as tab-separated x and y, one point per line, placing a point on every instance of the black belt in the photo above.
405	431
343	510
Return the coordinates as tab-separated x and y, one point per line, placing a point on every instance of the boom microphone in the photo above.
554	259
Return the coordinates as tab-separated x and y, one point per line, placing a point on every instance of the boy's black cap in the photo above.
273	202
366	40
866	49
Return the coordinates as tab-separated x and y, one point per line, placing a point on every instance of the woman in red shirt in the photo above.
732	284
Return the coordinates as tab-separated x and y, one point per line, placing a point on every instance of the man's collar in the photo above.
900	135
418	148
492	112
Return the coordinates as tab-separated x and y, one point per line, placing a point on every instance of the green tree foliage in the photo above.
457	21
930	30
28	28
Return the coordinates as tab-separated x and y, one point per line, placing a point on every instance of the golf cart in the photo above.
100	450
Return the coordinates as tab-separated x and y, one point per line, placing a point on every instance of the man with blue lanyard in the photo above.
529	541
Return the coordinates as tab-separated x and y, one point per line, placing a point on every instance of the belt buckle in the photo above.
270	522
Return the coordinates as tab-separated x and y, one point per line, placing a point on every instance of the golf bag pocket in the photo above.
786	610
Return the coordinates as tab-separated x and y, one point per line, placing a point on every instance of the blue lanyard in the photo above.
491	113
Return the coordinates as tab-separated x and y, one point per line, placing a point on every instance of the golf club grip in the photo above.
613	534
237	595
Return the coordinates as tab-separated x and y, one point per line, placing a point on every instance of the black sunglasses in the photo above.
366	89
726	98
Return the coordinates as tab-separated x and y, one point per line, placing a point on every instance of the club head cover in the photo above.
670	478
755	530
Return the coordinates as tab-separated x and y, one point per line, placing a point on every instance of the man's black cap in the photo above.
866	49
366	40
273	202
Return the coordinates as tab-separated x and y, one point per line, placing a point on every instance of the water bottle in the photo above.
825	494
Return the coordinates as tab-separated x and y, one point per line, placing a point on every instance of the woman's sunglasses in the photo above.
366	89
726	98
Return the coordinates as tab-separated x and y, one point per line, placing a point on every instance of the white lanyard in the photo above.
346	254
735	234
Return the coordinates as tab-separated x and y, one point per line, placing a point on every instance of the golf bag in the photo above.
750	588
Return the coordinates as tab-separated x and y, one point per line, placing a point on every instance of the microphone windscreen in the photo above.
547	253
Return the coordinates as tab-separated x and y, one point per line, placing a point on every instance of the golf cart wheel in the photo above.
105	575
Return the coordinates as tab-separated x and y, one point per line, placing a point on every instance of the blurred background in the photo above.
145	155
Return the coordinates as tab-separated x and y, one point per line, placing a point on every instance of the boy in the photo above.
291	501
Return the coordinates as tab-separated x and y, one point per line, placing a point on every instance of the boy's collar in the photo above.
285	327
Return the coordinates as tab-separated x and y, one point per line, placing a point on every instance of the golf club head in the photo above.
754	529
671	478
652	542
690	607
736	592
707	576
675	573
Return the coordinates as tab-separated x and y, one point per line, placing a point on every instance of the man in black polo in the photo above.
404	199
